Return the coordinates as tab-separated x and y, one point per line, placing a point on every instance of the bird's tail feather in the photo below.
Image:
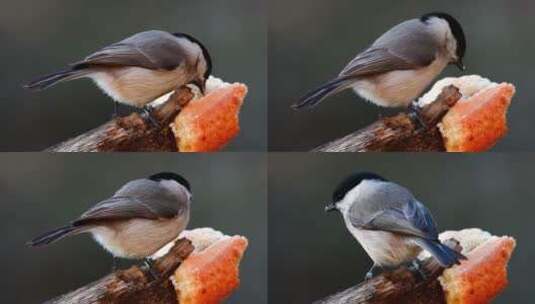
54	235
315	97
446	256
49	80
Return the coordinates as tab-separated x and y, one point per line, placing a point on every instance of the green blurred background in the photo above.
311	253
39	37
42	191
310	41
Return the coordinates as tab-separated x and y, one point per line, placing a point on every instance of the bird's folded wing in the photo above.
414	219
381	60
151	50
401	48
125	207
117	208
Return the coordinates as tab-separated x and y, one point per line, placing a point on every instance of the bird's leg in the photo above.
374	271
416	115
115	110
150	265
415	267
114	264
148	115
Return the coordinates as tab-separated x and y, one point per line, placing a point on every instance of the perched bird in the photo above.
389	222
400	64
140	68
140	218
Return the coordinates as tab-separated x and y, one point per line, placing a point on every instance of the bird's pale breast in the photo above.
138	238
398	88
137	86
385	248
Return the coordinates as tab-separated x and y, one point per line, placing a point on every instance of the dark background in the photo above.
42	191
39	37
311	253
310	41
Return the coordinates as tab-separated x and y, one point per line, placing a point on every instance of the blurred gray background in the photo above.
310	41
39	37
42	191
311	253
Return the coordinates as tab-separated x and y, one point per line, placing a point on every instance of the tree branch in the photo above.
478	279
133	132
133	285
400	132
399	287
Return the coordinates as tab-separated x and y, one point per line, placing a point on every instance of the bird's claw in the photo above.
416	116
115	113
374	271
153	273
114	264
415	267
148	110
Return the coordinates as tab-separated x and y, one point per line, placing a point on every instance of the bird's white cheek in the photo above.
451	46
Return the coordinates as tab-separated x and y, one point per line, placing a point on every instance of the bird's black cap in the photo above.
205	52
351	182
456	30
171	176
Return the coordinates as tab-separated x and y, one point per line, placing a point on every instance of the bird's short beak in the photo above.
201	84
330	207
460	65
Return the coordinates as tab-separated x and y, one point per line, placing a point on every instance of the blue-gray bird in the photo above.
389	222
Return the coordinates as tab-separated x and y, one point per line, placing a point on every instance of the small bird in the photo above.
389	222
140	68
400	64
140	218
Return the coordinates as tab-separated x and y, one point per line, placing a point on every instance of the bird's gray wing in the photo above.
408	45
392	208
413	220
138	199
152	50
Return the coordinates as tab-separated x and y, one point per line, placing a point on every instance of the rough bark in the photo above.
402	132
401	286
134	132
133	285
